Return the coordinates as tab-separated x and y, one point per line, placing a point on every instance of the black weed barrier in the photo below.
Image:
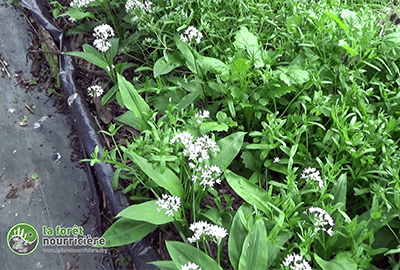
140	251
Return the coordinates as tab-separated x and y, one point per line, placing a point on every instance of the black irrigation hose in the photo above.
140	251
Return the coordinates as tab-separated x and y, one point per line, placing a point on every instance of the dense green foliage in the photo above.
304	106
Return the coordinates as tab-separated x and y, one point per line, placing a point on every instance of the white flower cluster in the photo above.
198	151
209	175
95	90
80	3
190	266
132	4
191	33
321	219
102	33
296	262
202	114
204	229
169	203
313	174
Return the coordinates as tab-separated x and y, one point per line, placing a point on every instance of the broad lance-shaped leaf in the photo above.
255	248
182	253
125	231
339	191
167	180
341	262
229	148
238	234
187	54
148	212
249	192
132	100
91	55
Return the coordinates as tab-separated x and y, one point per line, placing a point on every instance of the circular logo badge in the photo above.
22	239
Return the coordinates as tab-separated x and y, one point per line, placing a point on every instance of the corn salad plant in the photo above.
294	104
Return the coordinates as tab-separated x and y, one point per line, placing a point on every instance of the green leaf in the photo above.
339	191
337	20
130	119
167	180
229	148
165	265
162	66
132	100
91	55
344	45
108	96
294	76
148	212
248	191
273	249
390	42
238	234
113	50
255	248
244	39
187	54
182	253
125	231
213	65
212	126
188	99
114	183
77	14
341	262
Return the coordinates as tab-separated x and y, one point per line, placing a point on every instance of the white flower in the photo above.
197	150
109	69
190	266
202	228
209	175
102	45
313	174
143	7
190	33
72	20
169	203
203	114
184	137
80	3
95	90
277	159
103	31
296	262
321	219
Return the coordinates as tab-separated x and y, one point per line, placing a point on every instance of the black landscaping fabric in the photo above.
39	151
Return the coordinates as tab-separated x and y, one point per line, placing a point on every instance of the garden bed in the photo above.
280	131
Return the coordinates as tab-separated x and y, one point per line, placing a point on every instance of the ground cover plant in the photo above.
294	104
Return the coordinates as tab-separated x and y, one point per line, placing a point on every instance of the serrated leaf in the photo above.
212	126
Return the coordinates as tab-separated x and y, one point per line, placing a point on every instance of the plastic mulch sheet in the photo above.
40	184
